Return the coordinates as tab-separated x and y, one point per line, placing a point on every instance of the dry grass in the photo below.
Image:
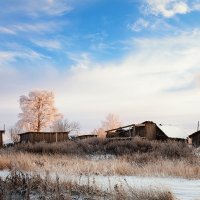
105	157
141	194
19	185
137	164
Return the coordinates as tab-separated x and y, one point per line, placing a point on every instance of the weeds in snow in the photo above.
19	185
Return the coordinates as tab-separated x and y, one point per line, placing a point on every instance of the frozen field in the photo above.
183	189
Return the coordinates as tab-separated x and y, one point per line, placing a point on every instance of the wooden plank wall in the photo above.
49	137
196	139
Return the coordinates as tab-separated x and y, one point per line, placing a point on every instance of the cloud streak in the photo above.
49	44
39	7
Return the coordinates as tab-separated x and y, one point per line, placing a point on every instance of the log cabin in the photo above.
49	137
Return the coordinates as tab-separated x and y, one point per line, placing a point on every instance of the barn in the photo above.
195	139
1	137
149	130
49	137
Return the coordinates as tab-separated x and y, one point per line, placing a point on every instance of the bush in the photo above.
168	149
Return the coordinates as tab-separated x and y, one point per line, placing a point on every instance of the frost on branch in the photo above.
38	111
111	121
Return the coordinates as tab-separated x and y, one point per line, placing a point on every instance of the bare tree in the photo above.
111	121
14	133
38	111
66	126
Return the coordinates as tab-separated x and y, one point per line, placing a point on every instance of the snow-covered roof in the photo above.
173	131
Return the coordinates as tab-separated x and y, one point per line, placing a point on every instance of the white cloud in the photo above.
49	44
38	28
83	61
7	57
37	8
170	8
157	82
7	30
139	25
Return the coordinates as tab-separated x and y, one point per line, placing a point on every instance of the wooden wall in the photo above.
153	132
48	137
149	131
196	139
86	136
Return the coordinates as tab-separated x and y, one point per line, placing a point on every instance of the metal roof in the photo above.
173	131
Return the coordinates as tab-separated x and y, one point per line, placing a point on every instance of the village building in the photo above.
194	139
81	137
1	137
148	130
49	137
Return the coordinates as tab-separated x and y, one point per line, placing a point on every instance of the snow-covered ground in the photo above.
183	189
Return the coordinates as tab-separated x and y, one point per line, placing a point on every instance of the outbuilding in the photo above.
149	130
49	137
194	139
87	136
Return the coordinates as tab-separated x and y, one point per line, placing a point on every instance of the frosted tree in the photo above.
111	121
65	126
38	111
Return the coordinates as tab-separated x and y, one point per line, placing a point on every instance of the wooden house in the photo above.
86	136
1	137
49	137
194	139
148	130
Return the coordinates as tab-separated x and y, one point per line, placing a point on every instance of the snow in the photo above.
173	131
4	173
183	189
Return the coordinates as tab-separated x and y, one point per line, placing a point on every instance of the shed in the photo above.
1	137
149	130
86	136
195	138
48	137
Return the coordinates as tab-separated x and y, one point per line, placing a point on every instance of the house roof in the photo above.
173	131
197	132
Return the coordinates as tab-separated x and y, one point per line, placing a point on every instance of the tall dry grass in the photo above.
105	157
121	165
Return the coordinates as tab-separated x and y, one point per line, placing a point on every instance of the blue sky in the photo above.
138	59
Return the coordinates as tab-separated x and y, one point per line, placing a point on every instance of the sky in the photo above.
138	59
